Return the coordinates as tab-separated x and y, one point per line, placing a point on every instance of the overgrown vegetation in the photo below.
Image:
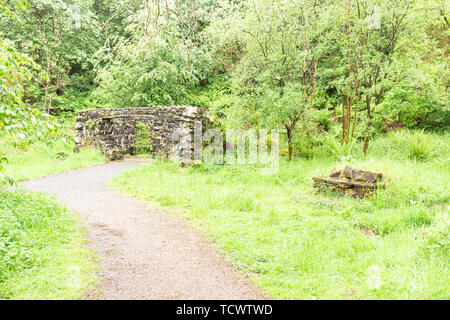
41	159
42	246
143	144
300	244
305	66
42	253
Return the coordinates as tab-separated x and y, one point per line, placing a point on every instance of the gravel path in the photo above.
145	253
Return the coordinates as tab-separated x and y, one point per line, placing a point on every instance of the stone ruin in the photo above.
354	182
114	131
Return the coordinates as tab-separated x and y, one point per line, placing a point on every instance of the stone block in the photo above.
354	182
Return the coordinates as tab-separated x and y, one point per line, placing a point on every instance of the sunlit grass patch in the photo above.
40	158
297	243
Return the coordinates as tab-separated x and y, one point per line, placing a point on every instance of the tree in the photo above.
16	117
419	95
367	43
277	76
165	56
60	36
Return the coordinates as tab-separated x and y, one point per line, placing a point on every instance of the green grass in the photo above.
40	158
42	252
299	244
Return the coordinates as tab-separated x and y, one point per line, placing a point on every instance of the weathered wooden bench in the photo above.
358	183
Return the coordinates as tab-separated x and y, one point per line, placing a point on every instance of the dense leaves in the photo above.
165	57
18	119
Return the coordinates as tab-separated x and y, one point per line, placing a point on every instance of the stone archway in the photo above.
113	131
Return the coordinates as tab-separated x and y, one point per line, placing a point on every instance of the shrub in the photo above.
330	145
143	142
413	144
416	105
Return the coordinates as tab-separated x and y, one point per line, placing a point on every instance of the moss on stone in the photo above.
91	124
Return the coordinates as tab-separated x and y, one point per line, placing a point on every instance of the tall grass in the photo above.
411	144
42	253
415	145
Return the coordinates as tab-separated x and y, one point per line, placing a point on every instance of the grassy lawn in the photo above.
299	244
42	252
41	159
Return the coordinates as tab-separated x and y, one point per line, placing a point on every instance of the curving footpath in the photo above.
144	253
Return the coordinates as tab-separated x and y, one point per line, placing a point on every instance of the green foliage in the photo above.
413	105
91	123
330	145
272	64
143	144
161	61
42	158
4	179
313	68
145	77
275	77
414	145
22	122
61	37
419	97
216	95
41	249
375	72
322	118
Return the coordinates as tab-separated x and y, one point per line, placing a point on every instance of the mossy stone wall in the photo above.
114	131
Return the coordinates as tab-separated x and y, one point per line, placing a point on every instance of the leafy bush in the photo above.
64	51
322	118
158	67
145	76
143	144
324	145
24	123
415	104
412	144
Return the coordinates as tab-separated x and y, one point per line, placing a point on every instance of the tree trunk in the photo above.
366	141
290	145
369	124
344	125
